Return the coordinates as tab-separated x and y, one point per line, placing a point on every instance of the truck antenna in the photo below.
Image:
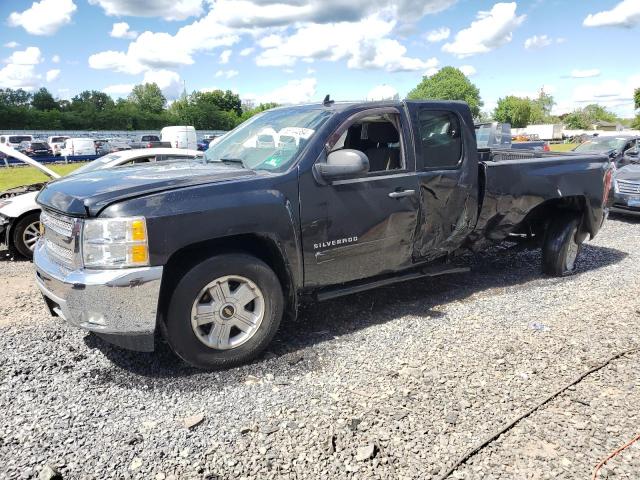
327	101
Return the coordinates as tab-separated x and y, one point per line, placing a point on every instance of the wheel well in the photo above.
258	246
537	220
9	234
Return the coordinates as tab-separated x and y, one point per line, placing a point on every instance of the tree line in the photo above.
146	108
451	84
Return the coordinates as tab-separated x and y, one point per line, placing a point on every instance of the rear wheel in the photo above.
26	234
224	311
561	246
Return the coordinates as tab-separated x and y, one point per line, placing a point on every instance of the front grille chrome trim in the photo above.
62	238
627	187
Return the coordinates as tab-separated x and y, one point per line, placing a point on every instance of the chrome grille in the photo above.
627	187
60	225
61	253
60	238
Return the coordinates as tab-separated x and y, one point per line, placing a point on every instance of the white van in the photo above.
56	143
180	137
14	141
78	146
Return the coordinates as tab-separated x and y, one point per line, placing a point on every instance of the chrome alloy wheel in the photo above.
227	312
31	235
572	253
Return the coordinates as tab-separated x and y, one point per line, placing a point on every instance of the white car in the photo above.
20	214
78	146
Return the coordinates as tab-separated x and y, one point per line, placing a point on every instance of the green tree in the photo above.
448	84
513	110
584	118
636	98
14	98
148	97
92	100
43	100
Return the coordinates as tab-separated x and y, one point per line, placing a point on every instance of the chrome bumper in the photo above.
119	305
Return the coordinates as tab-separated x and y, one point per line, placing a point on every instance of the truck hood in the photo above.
88	193
630	172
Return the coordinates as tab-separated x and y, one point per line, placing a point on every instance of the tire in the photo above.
561	249
215	293
25	234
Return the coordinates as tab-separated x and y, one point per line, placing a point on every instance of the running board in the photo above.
343	290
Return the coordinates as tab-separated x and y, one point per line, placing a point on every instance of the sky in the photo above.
294	51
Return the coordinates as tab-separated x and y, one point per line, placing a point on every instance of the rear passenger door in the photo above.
447	171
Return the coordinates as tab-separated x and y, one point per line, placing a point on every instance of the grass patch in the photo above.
16	176
562	147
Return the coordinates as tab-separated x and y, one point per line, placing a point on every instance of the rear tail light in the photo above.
149	145
608	178
546	148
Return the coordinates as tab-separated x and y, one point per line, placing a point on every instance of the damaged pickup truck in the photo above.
298	203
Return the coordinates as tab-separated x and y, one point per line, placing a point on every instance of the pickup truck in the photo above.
148	141
345	197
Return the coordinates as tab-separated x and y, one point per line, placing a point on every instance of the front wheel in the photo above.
561	246
224	311
26	234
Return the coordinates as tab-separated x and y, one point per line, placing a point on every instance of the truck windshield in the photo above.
601	144
270	140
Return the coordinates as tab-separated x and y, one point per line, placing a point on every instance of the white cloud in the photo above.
468	70
614	94
52	74
362	44
151	51
55	59
119	90
294	91
624	14
438	35
490	30
19	76
44	17
246	51
11	44
278	13
536	41
167	9
168	81
224	57
382	92
593	72
227	73
28	56
431	71
121	30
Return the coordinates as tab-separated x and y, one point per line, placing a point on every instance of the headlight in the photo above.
615	186
115	243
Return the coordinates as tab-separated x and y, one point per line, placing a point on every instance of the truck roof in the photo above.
348	105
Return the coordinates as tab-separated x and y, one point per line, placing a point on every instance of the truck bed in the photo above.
515	185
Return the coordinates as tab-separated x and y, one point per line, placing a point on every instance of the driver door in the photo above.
362	227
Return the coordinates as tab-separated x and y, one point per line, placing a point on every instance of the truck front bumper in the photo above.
119	305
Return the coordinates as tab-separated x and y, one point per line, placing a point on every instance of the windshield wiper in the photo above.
233	160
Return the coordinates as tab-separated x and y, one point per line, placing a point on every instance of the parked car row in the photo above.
170	137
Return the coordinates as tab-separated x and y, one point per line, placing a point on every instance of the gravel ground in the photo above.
394	383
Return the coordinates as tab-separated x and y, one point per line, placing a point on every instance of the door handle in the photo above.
402	193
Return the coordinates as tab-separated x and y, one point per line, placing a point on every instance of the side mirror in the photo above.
343	164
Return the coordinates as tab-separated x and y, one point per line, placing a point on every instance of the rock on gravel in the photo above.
468	344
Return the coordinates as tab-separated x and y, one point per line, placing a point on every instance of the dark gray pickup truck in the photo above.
298	204
149	141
